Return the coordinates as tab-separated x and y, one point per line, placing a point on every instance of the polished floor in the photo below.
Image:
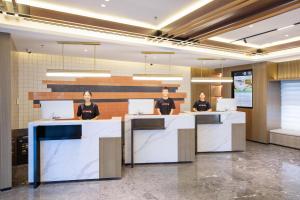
262	172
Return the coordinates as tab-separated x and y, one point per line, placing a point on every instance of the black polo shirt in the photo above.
202	105
165	105
88	112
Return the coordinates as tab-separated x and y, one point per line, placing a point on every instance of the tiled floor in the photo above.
262	172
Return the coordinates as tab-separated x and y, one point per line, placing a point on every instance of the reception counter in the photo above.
220	131
159	139
72	150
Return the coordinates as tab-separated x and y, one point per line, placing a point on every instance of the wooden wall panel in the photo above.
112	81
196	88
289	70
266	100
117	109
110	94
99	95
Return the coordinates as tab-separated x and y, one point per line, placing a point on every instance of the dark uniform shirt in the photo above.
165	105
88	112
202	105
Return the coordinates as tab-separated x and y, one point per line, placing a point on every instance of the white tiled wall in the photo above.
32	71
15	91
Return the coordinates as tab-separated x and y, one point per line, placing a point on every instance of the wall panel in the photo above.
6	50
266	97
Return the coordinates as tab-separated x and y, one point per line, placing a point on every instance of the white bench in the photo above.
284	137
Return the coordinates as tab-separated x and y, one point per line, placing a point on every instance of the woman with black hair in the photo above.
88	110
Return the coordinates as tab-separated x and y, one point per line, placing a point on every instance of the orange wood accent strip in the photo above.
137	83
116	109
36	105
113	81
99	95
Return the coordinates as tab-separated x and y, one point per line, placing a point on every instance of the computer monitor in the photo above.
226	104
140	106
57	109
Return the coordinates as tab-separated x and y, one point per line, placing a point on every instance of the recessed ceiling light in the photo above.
103	5
286	35
250	26
107	0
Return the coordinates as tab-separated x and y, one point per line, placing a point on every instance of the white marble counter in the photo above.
219	137
64	160
156	146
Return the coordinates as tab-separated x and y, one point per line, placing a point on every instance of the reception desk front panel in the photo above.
225	131
65	156
156	144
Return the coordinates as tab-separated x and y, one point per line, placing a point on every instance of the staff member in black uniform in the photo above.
88	110
202	104
165	105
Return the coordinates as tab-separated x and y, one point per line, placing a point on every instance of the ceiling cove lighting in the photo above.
157	77
59	29
184	12
82	12
77	73
53	6
212	80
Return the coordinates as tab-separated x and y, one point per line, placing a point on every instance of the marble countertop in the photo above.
67	122
211	113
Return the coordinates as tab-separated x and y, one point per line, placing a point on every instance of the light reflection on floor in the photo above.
262	172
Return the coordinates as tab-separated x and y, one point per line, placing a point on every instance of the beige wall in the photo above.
32	70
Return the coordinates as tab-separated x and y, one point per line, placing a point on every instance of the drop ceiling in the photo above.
47	44
39	27
276	22
141	10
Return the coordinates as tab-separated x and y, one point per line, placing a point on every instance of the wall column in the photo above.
6	48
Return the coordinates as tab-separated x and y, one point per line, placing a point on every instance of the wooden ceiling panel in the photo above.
55	16
233	15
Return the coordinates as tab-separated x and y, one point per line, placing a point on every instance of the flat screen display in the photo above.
242	89
140	106
63	109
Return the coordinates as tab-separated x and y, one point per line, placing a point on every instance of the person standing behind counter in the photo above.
88	110
202	104
165	105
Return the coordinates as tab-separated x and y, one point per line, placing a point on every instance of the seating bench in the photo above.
284	137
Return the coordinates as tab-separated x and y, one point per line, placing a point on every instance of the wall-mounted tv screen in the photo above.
242	89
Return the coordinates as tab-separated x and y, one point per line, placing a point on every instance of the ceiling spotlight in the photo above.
286	35
250	26
103	5
245	40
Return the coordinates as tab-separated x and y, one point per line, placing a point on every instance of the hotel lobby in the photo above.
149	100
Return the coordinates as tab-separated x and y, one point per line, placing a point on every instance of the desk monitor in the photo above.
140	106
57	109
226	104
